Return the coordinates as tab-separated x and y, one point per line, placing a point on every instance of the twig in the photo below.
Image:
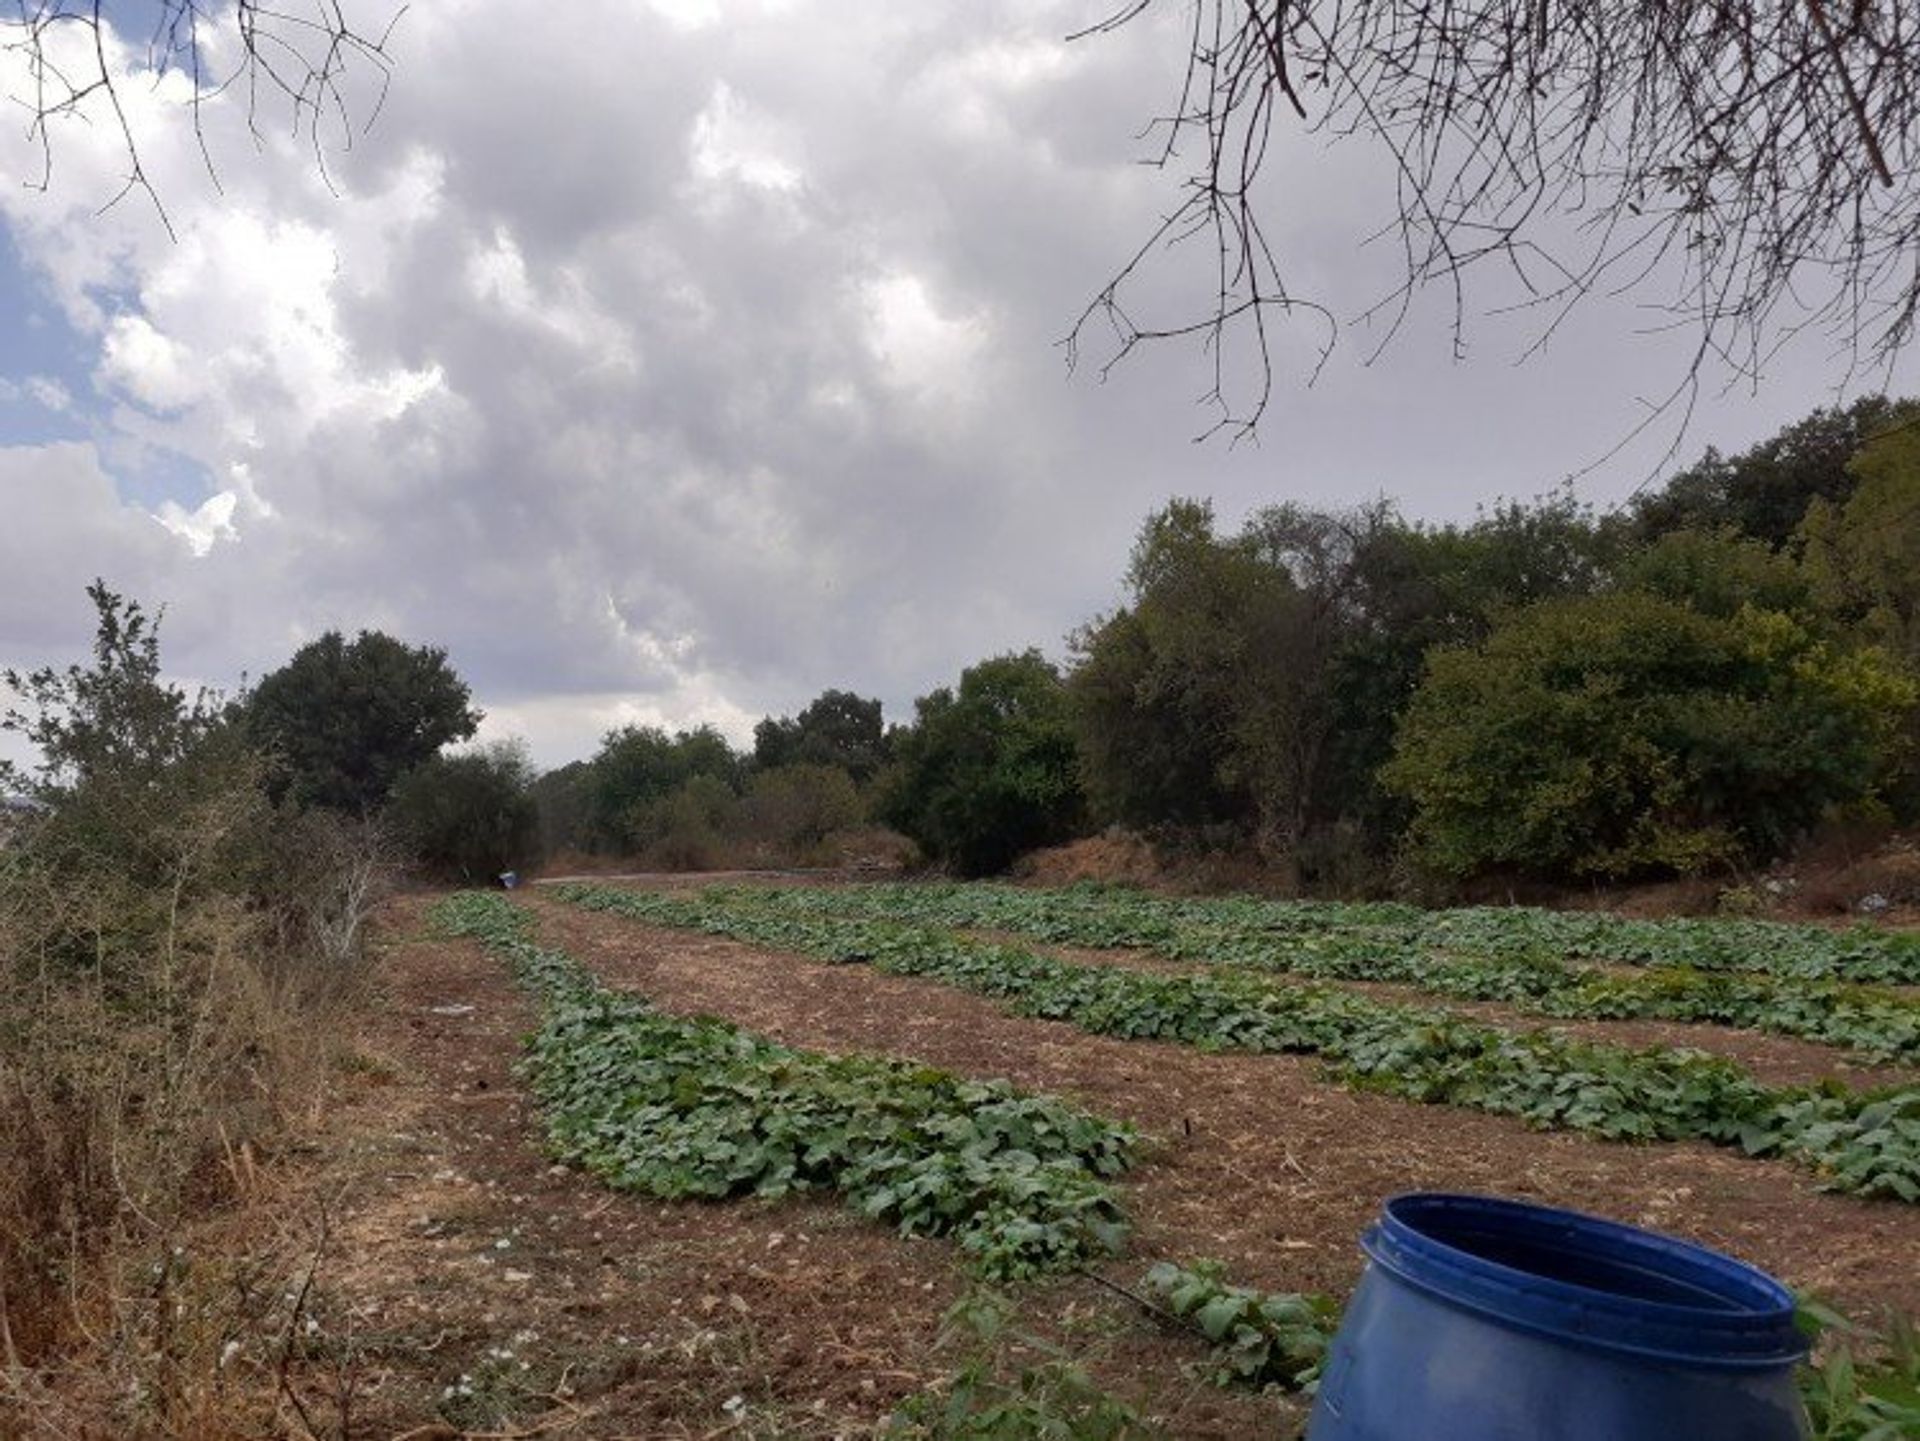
293	1322
1158	1312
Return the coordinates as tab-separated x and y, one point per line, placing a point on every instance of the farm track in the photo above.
1261	1162
1777	1060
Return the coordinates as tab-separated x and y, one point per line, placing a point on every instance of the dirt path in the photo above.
1259	1161
460	1258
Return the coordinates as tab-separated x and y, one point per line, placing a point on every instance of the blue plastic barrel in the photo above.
1480	1319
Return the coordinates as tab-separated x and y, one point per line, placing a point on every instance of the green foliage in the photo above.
1868	1143
793	810
346	720
1053	1399
685	829
169	947
1718	573
1765	492
1176	696
1253	681
1860	1388
699	1108
1524	958
563	801
1624	734
838	729
639	766
469	817
1259	1339
152	801
990	771
1864	556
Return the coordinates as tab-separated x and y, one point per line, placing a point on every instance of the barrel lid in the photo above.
1588	1281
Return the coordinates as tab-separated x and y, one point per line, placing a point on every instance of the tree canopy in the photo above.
346	719
1625	734
988	770
838	728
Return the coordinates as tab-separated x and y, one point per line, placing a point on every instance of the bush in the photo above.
688	828
991	771
792	811
469	817
1625	734
166	983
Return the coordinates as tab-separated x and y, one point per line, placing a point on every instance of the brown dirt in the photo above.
1258	1160
453	1240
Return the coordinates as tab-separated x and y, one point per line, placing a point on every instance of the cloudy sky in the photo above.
671	362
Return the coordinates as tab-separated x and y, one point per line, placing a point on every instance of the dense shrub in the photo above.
990	770
792	811
469	817
1625	733
172	948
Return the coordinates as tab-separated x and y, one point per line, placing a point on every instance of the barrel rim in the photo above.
1747	1335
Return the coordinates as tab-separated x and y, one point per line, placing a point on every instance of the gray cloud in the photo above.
664	371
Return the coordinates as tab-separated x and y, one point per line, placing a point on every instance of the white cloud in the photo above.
200	527
677	361
49	393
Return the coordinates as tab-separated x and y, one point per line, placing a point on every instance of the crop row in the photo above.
1868	1144
675	1108
1877	1024
1863	955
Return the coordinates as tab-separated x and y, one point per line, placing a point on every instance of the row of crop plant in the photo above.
1877	1023
1865	1143
697	1108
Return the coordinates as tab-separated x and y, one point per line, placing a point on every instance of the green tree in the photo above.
1720	573
838	728
989	770
1150	693
1864	555
1253	681
1764	491
151	795
793	810
1624	734
564	800
639	765
468	817
688	828
346	719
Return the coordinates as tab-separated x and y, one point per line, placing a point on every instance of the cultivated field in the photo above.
766	1138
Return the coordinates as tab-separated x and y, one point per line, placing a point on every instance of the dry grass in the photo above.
155	1054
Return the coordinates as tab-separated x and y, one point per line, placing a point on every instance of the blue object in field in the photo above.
509	879
1487	1320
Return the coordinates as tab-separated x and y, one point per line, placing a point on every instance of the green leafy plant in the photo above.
1860	1388
1052	1398
1259	1338
1522	958
680	1107
1866	1143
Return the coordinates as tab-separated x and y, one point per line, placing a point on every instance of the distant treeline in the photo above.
1694	681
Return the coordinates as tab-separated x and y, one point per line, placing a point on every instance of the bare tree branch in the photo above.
310	71
1754	163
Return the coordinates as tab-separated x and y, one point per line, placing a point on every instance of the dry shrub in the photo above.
176	957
